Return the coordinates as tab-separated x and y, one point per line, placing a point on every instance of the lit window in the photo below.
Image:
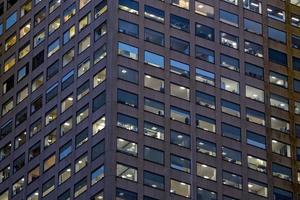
295	20
48	186
206	172
205	76
81	163
7	106
127	172
127	122
276	13
25	29
180	188
229	40
127	51
281	172
232	180
53	26
10	41
84	21
204	9
100	8
181	3
279	102
53	4
80	187
281	148
253	49
206	194
180	115
154	14
129	6
83	67
180	139
100	31
51	116
84	44
99	54
99	77
83	3
126	147
253	5
50	138
230	85
64	175
180	91
69	12
154	83
69	34
255	116
82	114
53	47
154	131
39	38
66	126
278	79
254	93
257	188
22	94
205	123
18	186
26	8
99	125
257	164
179	23
280	125
24	50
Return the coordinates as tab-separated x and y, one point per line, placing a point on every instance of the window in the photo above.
129	6
205	32
97	175
231	156
18	186
252	26
154	130
206	172
154	14
230	85
154	37
127	74
20	139
69	34
229	62
98	150
21	117
254	71
127	51
10	41
253	5
19	163
153	155
126	147
100	31
282	194
26	8
206	147
154	83
180	139
39	38
232	180
179	68
277	57
281	148
9	63
180	188
128	28
84	44
230	108
48	186
154	60
67	80
127	98
204	9
7	106
205	76
98	125
281	172
53	26
256	140
206	123
81	162
82	114
280	125
276	13
100	8
68	57
277	35
180	163
255	116
53	47
50	138
22	94
181	3
296	42
180	91
4	174
279	102
254	93
296	85
35	127
278	79
229	40
99	101
23	72
6	129
40	16
36	104
64	174
51	116
296	63
125	194
229	18
81	138
80	187
66	126
297	108
65	150
257	164
53	4
11	20
253	49
154	180
83	67
99	54
127	122
25	29
180	115
179	23
180	45
230	131
51	92
49	162
257	188
203	194
99	77
5	151
205	54
127	172
83	3
69	12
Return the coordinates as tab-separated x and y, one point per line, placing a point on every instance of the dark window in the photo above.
277	57
295	42
23	72
53	69
256	140
19	163
128	28
65	196
129	6
180	45
206	147
205	54
81	137
206	100
180	163
98	150
153	155
254	71
180	139
203	194
154	180
36	104
282	194
6	129
37	60
99	101
8	84
230	62
127	122
51	92
180	23
282	172
205	32
67	80
122	194
100	31
21	116
232	156
230	131
297	85
296	63
127	98
154	37
34	151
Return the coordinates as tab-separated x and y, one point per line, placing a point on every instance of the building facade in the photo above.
150	99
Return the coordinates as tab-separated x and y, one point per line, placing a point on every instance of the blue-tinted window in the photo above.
179	68
180	23
127	98
230	62
297	85
129	6
296	63
257	140
277	35
232	156
206	100
128	74
231	131
205	54
180	45
295	41
230	108
154	59
154	155
154	13
128	28
125	194
282	172
154	180
11	20
229	18
282	194
205	32
206	147
254	71
180	139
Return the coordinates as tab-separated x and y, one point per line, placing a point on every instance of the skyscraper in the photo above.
150	99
